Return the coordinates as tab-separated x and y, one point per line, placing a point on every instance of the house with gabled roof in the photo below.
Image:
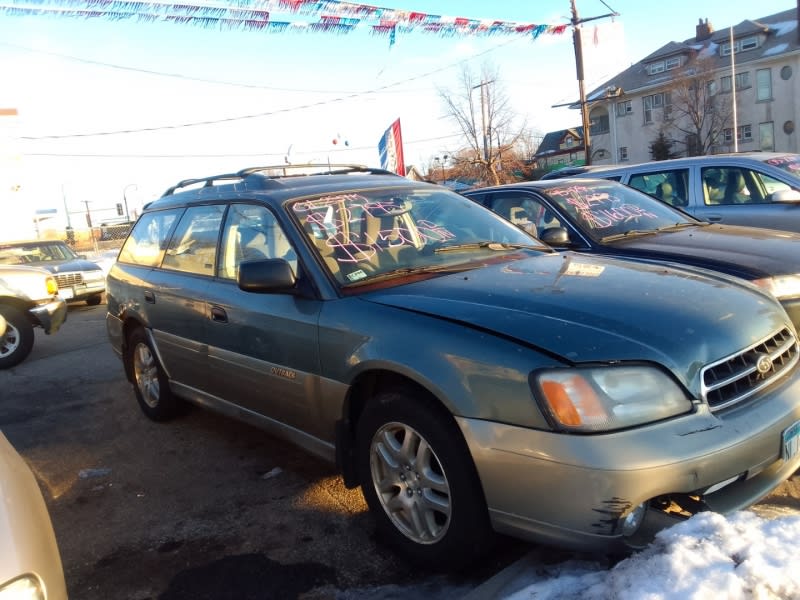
560	149
749	84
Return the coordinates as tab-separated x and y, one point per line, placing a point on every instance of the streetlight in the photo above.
125	198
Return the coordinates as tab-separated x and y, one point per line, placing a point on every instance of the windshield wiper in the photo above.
680	225
629	233
489	244
402	271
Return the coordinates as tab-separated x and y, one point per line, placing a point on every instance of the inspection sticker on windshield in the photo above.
791	441
356	275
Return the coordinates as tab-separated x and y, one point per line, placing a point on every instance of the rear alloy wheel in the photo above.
17	341
150	382
420	482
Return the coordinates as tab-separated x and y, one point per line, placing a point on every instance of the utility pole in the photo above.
484	104
577	42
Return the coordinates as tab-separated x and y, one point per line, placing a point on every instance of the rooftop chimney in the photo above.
703	30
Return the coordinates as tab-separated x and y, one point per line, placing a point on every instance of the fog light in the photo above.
633	520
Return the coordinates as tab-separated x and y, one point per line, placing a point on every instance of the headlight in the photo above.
52	286
607	398
785	286
26	587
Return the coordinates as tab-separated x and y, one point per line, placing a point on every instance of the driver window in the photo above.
251	232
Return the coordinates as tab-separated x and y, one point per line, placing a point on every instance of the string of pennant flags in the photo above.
278	16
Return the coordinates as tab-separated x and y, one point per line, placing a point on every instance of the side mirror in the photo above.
273	275
785	196
555	236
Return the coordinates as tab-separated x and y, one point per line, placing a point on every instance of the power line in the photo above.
223	155
266	113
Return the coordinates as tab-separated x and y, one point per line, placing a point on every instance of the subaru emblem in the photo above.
764	364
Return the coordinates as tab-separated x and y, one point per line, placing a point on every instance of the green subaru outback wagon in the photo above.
468	377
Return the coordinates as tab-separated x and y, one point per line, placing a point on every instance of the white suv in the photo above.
28	298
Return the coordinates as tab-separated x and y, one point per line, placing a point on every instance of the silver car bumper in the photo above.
572	490
50	316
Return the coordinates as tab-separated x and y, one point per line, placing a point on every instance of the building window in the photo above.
763	84
662	100
742	81
660	66
744	133
624	108
742	45
568	142
623	153
786	72
766	137
598	119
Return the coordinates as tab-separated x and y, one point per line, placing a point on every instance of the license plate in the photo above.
791	441
66	293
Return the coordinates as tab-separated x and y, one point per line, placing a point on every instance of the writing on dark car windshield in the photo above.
789	163
604	211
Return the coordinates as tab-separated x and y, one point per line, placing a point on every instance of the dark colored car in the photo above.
468	377
78	278
605	217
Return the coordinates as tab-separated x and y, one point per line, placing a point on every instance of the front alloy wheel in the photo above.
410	483
419	480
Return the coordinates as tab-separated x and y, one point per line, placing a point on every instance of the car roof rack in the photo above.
279	172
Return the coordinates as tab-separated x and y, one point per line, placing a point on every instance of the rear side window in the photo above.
193	247
668	186
147	242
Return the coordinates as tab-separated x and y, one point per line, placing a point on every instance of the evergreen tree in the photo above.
661	148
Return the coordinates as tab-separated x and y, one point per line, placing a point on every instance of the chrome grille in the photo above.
738	377
68	279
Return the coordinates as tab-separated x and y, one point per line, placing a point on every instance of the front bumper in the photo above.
81	291
50	316
572	490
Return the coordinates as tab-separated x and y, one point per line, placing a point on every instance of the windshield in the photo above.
23	254
606	208
361	236
788	162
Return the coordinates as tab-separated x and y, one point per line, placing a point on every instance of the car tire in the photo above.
150	382
420	483
17	341
94	300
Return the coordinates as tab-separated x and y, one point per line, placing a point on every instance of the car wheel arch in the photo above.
364	388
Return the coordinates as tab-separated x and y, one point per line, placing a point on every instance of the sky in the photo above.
108	110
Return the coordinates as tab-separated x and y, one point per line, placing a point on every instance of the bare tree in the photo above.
699	114
483	112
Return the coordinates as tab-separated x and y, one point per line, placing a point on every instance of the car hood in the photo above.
69	266
584	308
747	252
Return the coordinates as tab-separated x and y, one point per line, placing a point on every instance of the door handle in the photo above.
218	314
149	297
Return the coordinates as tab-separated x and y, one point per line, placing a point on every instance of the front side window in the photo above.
732	185
193	247
147	242
251	232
